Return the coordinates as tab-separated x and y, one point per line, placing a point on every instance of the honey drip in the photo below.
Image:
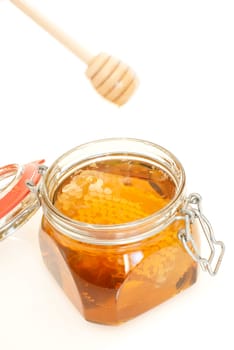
111	284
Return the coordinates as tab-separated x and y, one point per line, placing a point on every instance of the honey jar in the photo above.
119	233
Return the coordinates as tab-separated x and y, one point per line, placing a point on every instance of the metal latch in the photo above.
191	212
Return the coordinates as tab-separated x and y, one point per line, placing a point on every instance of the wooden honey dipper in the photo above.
110	77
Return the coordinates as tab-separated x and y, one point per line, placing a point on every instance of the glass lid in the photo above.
18	202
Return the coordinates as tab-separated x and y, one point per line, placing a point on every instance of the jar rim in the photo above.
82	231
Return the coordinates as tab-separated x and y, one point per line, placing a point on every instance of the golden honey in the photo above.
112	283
108	194
119	233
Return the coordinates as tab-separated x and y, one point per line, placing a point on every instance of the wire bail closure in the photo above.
192	211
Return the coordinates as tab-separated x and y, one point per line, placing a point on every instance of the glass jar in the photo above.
114	272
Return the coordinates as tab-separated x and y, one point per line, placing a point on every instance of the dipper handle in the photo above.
55	31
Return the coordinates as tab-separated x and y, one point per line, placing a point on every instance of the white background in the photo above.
183	54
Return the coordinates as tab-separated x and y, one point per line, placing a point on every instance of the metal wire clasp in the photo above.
35	188
192	211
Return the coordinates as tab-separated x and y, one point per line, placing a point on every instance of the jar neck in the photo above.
113	234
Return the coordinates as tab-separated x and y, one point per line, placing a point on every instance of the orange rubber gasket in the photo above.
20	190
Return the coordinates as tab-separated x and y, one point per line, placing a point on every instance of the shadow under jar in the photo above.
109	235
